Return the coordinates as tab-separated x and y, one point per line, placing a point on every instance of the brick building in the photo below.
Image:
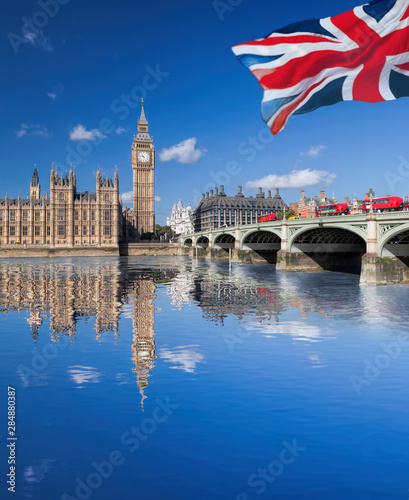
308	204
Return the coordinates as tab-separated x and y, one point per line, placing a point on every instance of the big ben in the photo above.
143	165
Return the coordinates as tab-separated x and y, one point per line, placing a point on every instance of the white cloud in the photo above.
80	133
84	375
295	179
183	358
120	130
127	198
35	130
36	473
184	152
314	151
296	329
35	37
55	92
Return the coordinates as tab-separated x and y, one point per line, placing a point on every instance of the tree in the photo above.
288	214
161	230
147	236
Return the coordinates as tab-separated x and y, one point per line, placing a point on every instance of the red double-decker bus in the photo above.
267	218
387	204
335	209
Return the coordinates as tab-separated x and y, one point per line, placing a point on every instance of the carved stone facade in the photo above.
66	218
143	165
181	219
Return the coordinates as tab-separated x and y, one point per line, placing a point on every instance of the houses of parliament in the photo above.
67	218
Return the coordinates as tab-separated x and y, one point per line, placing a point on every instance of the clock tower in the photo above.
143	166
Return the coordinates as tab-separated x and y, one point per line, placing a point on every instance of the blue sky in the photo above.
69	80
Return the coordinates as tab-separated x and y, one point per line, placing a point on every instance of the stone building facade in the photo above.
67	218
64	217
216	209
143	166
181	219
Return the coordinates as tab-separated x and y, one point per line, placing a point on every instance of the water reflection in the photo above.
183	358
251	352
143	319
263	302
66	293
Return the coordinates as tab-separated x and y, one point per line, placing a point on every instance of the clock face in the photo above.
143	156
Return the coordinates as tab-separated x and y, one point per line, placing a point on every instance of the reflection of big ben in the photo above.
143	165
143	347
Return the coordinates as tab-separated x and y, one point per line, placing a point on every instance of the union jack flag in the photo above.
361	55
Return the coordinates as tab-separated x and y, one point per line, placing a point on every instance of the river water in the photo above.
168	378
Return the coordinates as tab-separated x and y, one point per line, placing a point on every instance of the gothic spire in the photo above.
35	179
142	119
143	129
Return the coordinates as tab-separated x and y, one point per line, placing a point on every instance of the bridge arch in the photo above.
331	248
267	235
188	242
261	240
265	243
224	241
202	242
328	234
395	242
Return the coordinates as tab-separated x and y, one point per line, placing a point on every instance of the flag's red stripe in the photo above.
282	118
299	69
405	15
310	65
267	42
364	88
403	66
356	29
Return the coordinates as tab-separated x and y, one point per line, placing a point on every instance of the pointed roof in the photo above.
142	120
35	180
143	132
35	174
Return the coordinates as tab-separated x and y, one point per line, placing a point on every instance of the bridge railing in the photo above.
393	215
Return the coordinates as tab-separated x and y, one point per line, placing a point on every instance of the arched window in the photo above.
107	197
62	197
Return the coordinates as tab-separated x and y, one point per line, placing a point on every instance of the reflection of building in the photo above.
216	209
181	219
143	319
65	217
218	299
181	290
35	321
63	293
68	292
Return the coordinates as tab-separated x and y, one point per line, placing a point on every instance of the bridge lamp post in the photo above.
371	209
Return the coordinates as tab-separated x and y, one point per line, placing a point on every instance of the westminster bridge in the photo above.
374	245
